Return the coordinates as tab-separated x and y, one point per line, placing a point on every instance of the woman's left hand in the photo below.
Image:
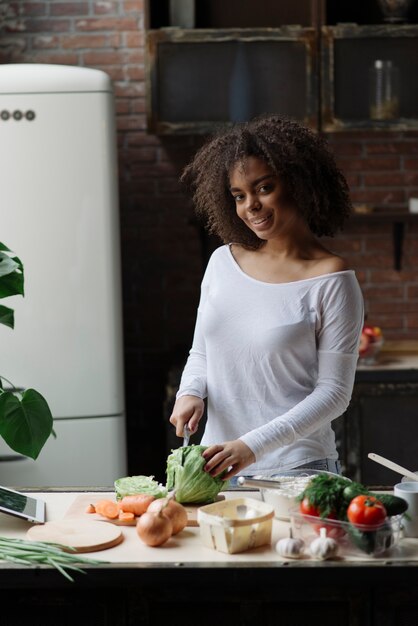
234	454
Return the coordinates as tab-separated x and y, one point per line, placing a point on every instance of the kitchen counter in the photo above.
183	581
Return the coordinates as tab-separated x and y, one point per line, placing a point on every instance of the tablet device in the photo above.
17	504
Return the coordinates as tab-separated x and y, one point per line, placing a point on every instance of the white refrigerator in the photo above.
59	214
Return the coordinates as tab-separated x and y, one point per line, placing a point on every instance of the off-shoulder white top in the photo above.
276	361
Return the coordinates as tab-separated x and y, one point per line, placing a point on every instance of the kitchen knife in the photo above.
186	435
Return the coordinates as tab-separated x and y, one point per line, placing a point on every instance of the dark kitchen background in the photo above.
164	248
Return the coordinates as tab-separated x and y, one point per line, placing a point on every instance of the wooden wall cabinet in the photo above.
352	60
203	78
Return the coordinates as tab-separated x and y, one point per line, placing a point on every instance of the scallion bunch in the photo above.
23	552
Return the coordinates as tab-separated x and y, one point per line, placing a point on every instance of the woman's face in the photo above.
260	199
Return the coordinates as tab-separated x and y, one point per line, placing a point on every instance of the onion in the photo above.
154	528
175	511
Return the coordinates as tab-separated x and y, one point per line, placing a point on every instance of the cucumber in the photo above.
393	504
372	541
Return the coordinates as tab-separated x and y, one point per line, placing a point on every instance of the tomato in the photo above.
306	508
333	530
366	510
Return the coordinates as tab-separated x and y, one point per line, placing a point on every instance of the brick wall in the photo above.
162	245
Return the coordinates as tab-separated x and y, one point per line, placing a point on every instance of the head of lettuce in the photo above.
185	474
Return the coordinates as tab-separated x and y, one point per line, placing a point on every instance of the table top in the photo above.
187	546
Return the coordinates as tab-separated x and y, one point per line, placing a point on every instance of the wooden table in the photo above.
186	583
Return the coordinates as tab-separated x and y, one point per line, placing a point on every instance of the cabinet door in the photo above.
350	55
380	420
201	79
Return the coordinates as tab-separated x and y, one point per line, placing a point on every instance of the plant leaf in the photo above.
3	247
11	284
7	264
7	316
26	423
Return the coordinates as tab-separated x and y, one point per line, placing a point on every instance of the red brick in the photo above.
90	41
129	90
412	292
69	8
412	321
131	122
140	155
60	58
106	7
134	72
388	179
134	40
380	292
110	23
382	163
29	8
131	6
142	139
399	147
348	148
411	163
353	180
398	306
389	276
110	57
378	197
138	105
45	41
47	25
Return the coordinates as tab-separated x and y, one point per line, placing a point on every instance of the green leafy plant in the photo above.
25	417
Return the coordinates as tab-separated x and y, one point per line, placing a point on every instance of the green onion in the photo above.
25	552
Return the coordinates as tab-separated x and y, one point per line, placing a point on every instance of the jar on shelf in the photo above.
384	91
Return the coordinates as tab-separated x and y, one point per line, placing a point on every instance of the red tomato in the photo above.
333	530
366	510
306	508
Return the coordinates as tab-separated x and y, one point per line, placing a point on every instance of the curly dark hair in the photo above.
300	158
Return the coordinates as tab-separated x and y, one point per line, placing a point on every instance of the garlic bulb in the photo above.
323	547
289	547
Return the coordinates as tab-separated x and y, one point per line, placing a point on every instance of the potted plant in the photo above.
25	417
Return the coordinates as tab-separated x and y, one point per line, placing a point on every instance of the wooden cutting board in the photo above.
81	535
81	502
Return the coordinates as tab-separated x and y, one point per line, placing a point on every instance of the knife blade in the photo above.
186	435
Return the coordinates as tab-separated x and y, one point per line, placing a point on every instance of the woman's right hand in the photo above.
187	410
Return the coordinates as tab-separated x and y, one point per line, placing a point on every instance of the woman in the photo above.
279	321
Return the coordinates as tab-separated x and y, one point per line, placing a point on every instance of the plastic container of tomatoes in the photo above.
364	540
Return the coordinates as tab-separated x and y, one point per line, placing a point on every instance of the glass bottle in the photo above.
384	91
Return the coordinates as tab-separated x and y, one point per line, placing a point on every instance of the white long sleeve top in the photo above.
276	361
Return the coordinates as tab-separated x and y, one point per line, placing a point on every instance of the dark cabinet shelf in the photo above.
349	52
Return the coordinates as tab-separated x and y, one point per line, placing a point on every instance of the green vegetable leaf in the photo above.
7	316
132	485
186	476
3	247
25	422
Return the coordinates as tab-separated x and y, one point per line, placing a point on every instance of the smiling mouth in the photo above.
260	220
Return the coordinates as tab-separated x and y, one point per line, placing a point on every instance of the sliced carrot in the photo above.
125	516
136	504
91	509
107	508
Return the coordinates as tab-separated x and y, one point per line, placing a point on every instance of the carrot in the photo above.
91	509
125	516
107	508
136	504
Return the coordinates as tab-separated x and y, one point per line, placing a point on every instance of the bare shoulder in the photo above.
329	264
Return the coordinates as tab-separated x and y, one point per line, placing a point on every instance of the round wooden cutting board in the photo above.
82	536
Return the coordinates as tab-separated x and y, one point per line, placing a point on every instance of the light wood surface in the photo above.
82	536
